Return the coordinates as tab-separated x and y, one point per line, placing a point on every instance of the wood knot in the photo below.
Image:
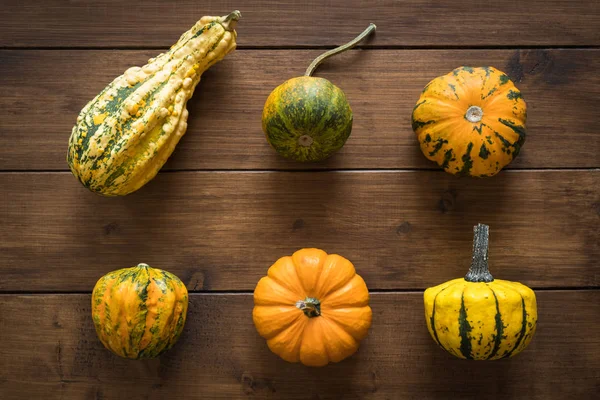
403	228
514	69
447	202
248	383
111	228
374	382
196	281
298	224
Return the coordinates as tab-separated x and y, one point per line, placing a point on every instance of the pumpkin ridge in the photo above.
286	99
318	270
464	328
338	287
510	286
281	302
301	338
499	327
333	320
319	287
328	296
284	326
283	284
328	352
523	329
335	330
432	319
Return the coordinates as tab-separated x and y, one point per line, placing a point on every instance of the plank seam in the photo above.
306	170
250	292
317	47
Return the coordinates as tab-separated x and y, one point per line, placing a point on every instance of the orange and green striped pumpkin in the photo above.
478	317
139	312
471	121
124	136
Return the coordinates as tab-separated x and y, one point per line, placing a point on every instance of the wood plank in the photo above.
44	91
50	350
221	231
113	23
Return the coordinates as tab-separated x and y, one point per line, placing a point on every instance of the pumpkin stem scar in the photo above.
313	66
474	114
479	271
310	306
305	140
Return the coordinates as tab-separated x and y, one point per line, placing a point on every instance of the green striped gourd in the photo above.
306	118
139	312
478	317
127	132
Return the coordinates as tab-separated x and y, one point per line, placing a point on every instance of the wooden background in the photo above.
226	206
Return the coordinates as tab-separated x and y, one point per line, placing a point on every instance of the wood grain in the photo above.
45	90
113	23
221	231
50	350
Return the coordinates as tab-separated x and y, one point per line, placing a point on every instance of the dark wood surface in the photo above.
561	88
222	230
49	343
226	206
115	23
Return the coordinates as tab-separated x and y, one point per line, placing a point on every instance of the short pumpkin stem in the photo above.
479	271
313	66
474	114
310	306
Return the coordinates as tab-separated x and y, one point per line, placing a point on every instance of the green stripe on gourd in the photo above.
306	118
479	317
139	312
125	135
476	108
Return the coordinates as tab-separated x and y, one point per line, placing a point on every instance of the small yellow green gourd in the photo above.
478	317
139	312
306	118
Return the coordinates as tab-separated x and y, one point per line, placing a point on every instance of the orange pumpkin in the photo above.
312	308
471	121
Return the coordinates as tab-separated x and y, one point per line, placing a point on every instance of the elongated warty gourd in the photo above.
127	132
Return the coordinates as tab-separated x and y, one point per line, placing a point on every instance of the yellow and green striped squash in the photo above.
127	132
479	317
471	121
139	312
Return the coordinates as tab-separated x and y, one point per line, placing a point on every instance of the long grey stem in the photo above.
479	271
